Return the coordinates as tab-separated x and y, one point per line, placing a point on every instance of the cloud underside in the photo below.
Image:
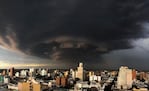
71	30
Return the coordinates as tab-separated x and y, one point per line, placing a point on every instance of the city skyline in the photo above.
78	79
55	33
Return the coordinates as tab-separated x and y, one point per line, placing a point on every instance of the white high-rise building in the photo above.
43	72
124	78
17	74
73	73
6	80
23	73
80	72
32	72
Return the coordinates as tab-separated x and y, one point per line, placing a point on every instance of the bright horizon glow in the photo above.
8	65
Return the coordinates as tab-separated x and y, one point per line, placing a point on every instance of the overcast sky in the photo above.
62	33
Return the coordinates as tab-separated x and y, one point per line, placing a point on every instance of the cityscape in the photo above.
74	45
79	79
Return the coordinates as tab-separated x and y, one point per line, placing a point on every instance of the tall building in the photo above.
17	74
80	72
23	73
4	72
66	73
147	76
58	81
63	81
91	73
11	73
43	72
134	74
142	75
129	78
73	73
124	78
32	72
6	80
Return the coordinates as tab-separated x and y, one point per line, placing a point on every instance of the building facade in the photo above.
124	78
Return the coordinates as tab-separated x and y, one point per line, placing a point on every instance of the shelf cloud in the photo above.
72	30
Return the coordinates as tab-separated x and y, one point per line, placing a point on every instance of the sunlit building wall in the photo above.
80	72
124	78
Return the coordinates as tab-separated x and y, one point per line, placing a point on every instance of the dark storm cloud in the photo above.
73	29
